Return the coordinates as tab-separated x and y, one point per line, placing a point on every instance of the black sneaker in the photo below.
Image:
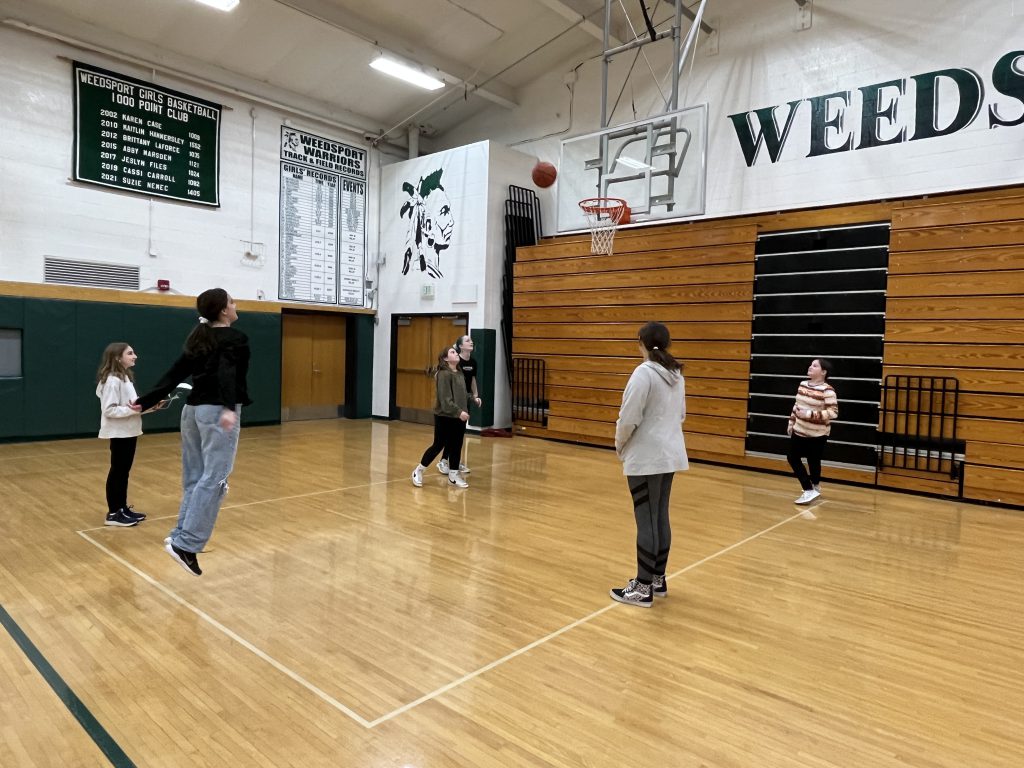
634	593
119	518
130	511
186	560
658	586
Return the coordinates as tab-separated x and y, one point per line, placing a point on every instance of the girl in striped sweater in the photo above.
810	422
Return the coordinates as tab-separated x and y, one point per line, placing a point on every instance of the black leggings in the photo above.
448	434
812	449
653	533
122	455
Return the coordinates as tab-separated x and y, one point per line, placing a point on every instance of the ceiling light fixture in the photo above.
220	5
406	72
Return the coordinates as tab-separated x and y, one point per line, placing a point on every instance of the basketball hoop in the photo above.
604	215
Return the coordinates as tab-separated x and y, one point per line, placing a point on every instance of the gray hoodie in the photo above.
649	431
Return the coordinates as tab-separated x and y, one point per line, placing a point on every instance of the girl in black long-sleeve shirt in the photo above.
216	356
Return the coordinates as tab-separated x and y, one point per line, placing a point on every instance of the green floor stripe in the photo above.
96	732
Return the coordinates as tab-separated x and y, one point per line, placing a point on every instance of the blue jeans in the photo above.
207	458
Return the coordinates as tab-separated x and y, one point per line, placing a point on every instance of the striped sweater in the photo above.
815	409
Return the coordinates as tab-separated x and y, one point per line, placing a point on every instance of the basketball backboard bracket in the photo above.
656	164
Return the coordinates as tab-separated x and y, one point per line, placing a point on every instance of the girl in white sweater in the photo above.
121	423
649	442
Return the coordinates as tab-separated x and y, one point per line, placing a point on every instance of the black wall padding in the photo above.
819	293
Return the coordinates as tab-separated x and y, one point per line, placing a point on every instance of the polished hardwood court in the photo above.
347	618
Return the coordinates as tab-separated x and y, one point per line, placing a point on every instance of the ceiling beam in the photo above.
452	72
570	13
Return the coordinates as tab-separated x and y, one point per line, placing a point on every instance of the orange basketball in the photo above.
544	174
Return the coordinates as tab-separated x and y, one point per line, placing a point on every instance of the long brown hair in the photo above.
655	338
110	363
442	360
209	304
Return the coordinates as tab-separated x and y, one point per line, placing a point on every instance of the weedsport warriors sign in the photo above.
955	97
138	137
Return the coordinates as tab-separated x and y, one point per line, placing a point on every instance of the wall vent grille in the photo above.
95	274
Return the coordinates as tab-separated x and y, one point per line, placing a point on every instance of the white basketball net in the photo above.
603	216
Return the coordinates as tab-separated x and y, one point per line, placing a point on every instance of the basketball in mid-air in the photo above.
544	174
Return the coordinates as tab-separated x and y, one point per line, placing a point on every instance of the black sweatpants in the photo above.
448	435
122	455
454	463
653	533
810	448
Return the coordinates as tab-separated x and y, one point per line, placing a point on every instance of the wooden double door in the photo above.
417	341
312	365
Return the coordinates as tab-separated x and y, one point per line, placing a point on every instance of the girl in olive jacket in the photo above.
449	417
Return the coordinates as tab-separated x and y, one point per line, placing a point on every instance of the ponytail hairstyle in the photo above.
655	338
442	359
826	366
209	304
110	363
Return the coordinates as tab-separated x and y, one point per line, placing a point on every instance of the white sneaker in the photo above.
456	479
807	497
817	488
442	466
464	469
417	477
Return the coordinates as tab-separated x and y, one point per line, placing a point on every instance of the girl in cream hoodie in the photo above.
121	424
649	442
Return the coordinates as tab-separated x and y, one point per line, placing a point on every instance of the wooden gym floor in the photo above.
346	618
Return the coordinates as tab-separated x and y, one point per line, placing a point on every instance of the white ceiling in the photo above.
314	54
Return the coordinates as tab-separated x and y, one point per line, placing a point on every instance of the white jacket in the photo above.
116	418
649	431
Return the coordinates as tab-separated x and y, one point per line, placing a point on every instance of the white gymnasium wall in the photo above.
460	286
475	180
506	167
762	62
43	213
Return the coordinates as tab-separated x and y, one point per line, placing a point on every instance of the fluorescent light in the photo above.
220	5
629	162
407	73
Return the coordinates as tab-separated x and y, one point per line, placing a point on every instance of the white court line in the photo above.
428	696
233	635
566	628
296	496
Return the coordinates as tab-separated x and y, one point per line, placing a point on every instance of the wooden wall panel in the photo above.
644	239
997	484
637	314
634	278
685	257
940	214
684	294
996	454
945	332
974	236
971	379
959	284
999	356
714	331
938	262
684	350
955	307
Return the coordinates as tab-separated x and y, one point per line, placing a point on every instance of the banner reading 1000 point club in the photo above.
139	137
